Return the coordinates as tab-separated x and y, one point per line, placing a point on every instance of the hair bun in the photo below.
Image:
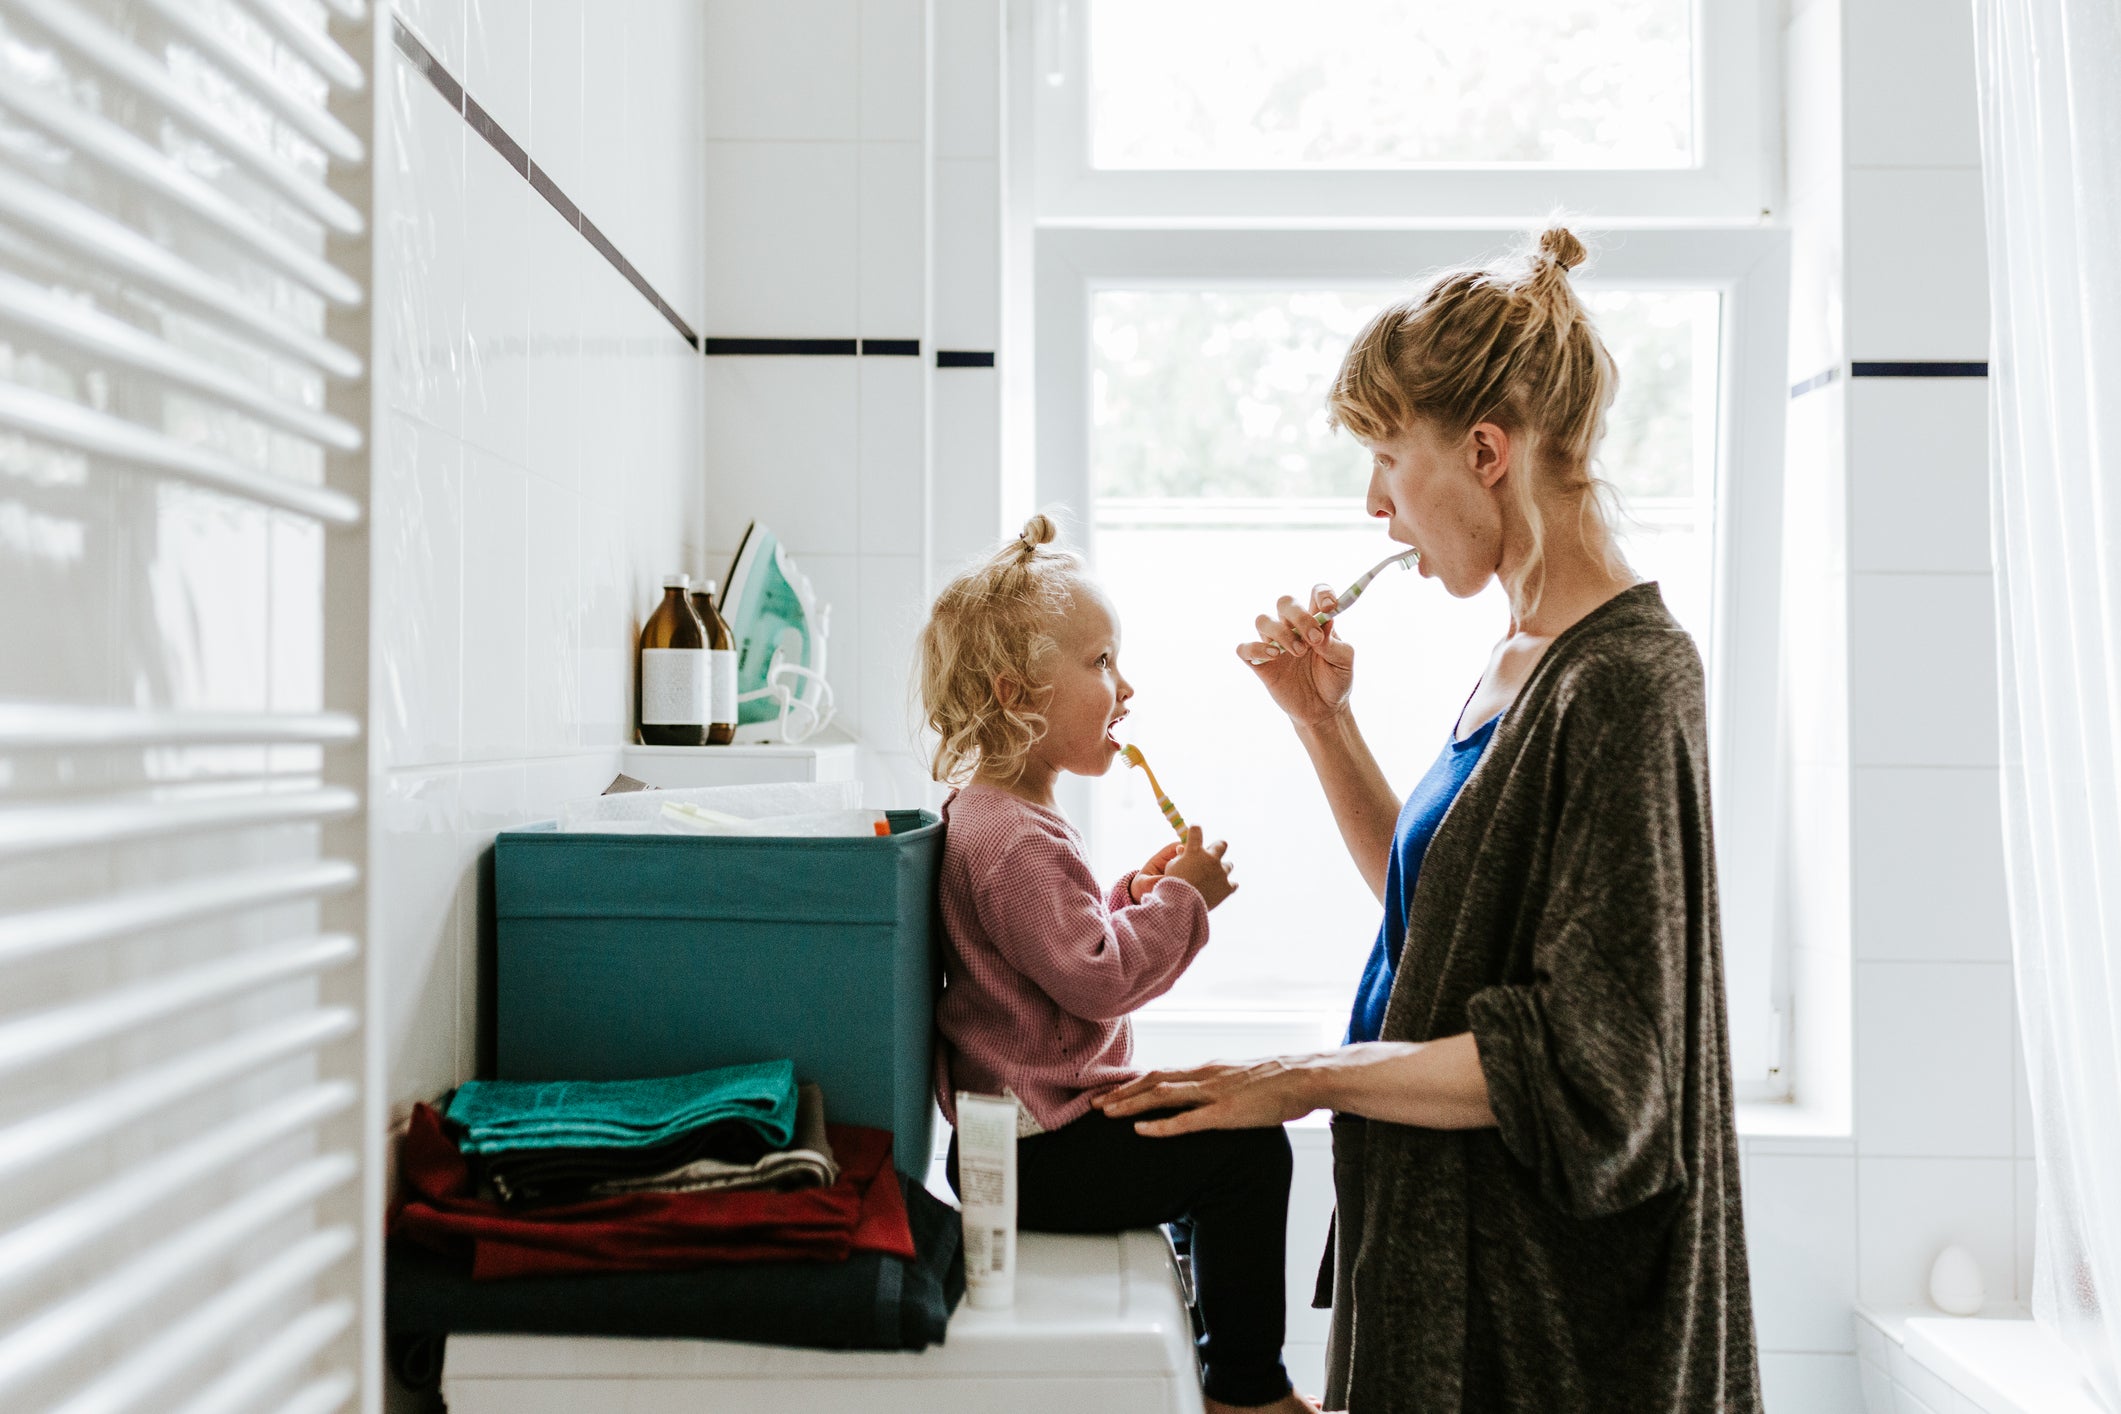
1037	531
1559	244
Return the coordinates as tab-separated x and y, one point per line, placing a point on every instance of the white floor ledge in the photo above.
2003	1363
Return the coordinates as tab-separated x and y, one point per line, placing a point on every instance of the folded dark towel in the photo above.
565	1175
868	1302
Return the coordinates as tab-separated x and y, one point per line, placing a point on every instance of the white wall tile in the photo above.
1800	1237
1917	264
1933	1058
1305	1360
491	799
666	211
838	582
892	612
967	254
552	783
781	438
607	87
552	611
418	554
555	411
1809	1384
967	441
894	70
894	211
611	629
1918	474
894	780
1910	92
1909	1210
440	25
496	514
1922	670
417	825
496	302
1929	865
1811	77
781	244
420	294
554	138
781	71
894	454
496	69
968	78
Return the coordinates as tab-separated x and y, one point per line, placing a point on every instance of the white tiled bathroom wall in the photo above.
539	469
1897	897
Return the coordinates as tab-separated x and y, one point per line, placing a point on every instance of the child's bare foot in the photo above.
1290	1403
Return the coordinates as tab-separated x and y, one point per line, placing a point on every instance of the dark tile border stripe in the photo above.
775	348
1918	368
896	348
497	137
964	358
1816	381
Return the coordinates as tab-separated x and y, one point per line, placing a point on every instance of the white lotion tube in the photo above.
986	1181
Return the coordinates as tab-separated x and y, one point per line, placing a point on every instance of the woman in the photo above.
1534	1156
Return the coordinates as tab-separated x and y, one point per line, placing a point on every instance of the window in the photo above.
1399	110
1203	249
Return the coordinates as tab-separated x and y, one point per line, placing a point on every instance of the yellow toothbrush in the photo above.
1163	802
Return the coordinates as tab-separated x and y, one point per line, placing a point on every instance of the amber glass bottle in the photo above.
721	667
670	683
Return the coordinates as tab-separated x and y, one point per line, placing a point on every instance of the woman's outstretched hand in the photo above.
1218	1096
1307	668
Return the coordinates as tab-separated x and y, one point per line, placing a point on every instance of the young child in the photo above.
1020	681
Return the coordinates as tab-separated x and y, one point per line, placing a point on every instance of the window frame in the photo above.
1748	267
1735	174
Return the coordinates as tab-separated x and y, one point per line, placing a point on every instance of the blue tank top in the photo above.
1418	819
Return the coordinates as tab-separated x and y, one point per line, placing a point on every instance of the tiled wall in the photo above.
538	472
852	286
1896	872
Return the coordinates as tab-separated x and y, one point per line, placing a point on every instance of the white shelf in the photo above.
829	756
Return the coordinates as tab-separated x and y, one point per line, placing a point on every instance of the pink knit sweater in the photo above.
1040	967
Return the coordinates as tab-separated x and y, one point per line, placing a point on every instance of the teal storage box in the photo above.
628	956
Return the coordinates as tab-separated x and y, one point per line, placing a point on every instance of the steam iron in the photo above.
780	630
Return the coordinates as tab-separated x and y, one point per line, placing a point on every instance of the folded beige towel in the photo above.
806	1163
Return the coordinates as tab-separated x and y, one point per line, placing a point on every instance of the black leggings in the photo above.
1098	1175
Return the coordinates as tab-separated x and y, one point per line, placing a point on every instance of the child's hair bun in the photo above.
1559	244
1037	531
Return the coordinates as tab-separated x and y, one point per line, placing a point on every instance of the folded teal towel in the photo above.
500	1116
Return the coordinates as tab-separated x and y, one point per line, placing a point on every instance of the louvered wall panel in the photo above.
187	1190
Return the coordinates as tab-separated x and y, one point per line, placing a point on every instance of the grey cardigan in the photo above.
1588	1253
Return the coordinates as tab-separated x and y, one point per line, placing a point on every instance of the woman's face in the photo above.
1088	694
1443	499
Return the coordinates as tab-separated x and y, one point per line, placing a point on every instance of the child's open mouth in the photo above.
1112	731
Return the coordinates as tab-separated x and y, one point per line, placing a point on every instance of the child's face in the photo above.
1089	697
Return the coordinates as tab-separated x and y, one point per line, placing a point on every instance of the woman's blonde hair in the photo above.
1514	347
993	624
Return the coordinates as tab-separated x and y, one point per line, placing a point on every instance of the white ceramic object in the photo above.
1955	1282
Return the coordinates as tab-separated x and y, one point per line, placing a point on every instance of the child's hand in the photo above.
1202	866
1145	877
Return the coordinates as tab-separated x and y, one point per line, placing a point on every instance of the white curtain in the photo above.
2050	80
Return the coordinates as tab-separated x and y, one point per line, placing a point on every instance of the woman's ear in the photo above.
1007	691
1490	453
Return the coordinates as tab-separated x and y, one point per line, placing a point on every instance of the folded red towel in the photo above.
864	1211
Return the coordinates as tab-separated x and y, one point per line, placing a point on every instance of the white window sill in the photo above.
1814	1128
2000	1362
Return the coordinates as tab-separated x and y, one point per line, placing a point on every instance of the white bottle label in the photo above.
721	685
673	687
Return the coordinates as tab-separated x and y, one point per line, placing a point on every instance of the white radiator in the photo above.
188	1192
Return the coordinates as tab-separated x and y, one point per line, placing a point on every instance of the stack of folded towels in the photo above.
727	1183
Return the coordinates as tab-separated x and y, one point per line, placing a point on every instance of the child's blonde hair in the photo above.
1514	347
994	624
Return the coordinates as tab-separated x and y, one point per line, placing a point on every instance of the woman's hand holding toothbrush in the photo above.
1307	668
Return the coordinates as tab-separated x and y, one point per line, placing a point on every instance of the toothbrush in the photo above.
1405	559
1163	802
